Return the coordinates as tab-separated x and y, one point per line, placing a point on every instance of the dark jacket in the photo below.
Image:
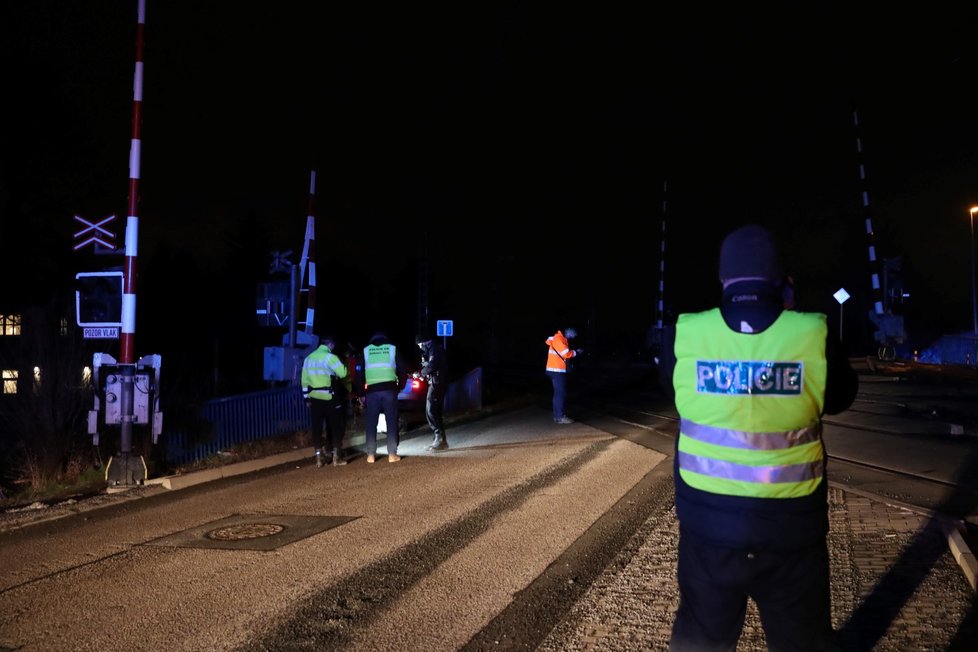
735	521
353	360
434	363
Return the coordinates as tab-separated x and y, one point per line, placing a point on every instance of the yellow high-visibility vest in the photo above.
318	370
379	364
750	405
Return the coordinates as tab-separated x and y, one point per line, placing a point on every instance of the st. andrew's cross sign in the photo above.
94	233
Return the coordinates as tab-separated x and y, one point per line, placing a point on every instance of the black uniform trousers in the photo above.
330	412
790	588
434	402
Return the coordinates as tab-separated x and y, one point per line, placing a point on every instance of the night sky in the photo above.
523	150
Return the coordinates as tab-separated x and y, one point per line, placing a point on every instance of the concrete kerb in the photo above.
961	552
184	480
356	440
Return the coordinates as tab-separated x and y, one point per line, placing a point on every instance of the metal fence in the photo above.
224	422
465	393
238	419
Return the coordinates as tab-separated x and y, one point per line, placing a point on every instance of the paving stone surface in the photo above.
895	587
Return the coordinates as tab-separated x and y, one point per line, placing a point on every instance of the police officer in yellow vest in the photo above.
322	375
752	381
384	372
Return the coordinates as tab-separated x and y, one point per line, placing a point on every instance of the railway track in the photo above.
897	447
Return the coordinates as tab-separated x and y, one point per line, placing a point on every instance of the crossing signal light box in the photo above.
98	298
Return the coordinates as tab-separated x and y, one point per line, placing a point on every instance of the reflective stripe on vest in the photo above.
751	405
318	370
379	364
559	353
755	440
771	464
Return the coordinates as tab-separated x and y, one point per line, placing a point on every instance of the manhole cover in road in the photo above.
246	531
251	532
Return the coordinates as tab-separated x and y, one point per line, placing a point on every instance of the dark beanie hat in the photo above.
750	252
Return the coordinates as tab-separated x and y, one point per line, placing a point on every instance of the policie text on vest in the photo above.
749	377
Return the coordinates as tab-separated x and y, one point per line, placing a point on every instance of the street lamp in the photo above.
974	300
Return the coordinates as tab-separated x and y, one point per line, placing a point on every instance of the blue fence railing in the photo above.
224	422
465	393
238	419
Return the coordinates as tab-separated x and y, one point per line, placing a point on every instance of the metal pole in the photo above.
127	339
974	302
873	262
307	281
661	304
293	295
128	471
126	354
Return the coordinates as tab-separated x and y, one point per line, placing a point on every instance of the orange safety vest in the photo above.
560	353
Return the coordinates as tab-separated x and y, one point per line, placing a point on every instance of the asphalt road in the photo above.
418	555
487	546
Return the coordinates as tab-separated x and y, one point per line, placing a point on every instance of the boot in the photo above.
337	459
439	443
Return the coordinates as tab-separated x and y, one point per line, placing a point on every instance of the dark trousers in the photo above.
559	381
433	408
330	412
790	588
377	403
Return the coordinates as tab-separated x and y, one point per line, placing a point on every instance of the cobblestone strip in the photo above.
908	592
631	606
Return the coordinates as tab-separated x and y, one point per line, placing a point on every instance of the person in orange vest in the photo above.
557	357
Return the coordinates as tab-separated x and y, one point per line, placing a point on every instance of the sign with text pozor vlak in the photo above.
443	328
98	303
100	332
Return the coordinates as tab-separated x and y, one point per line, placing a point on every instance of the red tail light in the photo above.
415	384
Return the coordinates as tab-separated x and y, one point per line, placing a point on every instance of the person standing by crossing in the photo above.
322	374
434	369
558	355
384	372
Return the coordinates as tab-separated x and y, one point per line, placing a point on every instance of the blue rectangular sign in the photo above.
444	328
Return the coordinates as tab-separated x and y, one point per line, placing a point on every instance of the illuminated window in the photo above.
9	381
37	377
9	324
64	327
87	375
